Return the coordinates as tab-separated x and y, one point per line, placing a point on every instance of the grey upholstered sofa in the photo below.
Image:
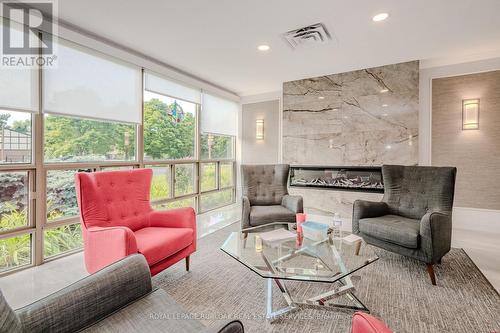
118	298
265	195
414	217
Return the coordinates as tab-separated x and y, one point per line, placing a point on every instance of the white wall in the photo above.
268	150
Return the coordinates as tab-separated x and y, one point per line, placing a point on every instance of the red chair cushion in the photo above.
364	323
157	243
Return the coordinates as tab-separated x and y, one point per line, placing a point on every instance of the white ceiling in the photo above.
216	40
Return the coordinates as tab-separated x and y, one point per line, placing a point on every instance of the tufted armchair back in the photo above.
413	191
114	198
265	185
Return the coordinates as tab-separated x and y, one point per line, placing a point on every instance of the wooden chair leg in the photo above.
245	236
430	270
357	248
187	263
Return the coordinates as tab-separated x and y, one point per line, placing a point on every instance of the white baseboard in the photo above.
475	228
476	219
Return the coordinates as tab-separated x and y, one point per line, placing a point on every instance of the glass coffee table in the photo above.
330	261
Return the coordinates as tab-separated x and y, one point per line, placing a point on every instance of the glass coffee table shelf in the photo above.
330	261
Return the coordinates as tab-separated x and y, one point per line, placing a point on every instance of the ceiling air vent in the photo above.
315	34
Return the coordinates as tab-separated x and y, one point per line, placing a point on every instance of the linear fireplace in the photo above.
346	178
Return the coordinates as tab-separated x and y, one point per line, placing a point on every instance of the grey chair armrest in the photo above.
293	202
90	299
234	326
245	214
435	233
364	209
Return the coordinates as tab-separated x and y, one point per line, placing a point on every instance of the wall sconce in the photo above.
470	114
259	129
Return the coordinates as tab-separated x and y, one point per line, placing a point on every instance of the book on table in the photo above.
277	236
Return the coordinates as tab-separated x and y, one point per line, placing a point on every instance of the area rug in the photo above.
395	289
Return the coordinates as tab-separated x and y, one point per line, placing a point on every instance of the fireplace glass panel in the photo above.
355	178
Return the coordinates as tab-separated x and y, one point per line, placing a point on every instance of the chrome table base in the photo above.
346	288
320	301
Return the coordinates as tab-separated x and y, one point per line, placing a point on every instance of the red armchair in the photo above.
364	323
117	220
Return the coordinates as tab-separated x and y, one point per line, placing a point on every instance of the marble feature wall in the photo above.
365	117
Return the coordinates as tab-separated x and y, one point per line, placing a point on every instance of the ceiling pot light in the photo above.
384	90
321	97
380	17
384	105
263	47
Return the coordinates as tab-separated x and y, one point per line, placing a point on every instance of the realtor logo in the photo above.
28	33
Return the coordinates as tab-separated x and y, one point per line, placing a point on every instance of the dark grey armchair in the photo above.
414	217
265	195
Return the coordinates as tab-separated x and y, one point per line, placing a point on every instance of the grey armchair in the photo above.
414	217
265	195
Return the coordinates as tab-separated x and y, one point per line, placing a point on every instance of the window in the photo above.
219	127
216	199
18	85
208	176
116	168
216	146
187	202
61	196
92	120
169	128
226	174
160	183
184	179
62	239
219	116
14	187
15	252
70	139
89	84
15	137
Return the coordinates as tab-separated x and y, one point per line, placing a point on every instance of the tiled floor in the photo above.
484	249
29	285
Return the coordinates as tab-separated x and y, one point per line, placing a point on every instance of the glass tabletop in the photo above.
326	260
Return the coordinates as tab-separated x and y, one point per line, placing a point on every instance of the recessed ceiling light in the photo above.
388	147
321	97
384	114
263	47
380	17
384	90
384	105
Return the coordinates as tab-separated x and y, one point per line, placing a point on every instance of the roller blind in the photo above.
219	115
18	85
89	84
164	86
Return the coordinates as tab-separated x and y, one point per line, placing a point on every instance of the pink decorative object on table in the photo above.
300	218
